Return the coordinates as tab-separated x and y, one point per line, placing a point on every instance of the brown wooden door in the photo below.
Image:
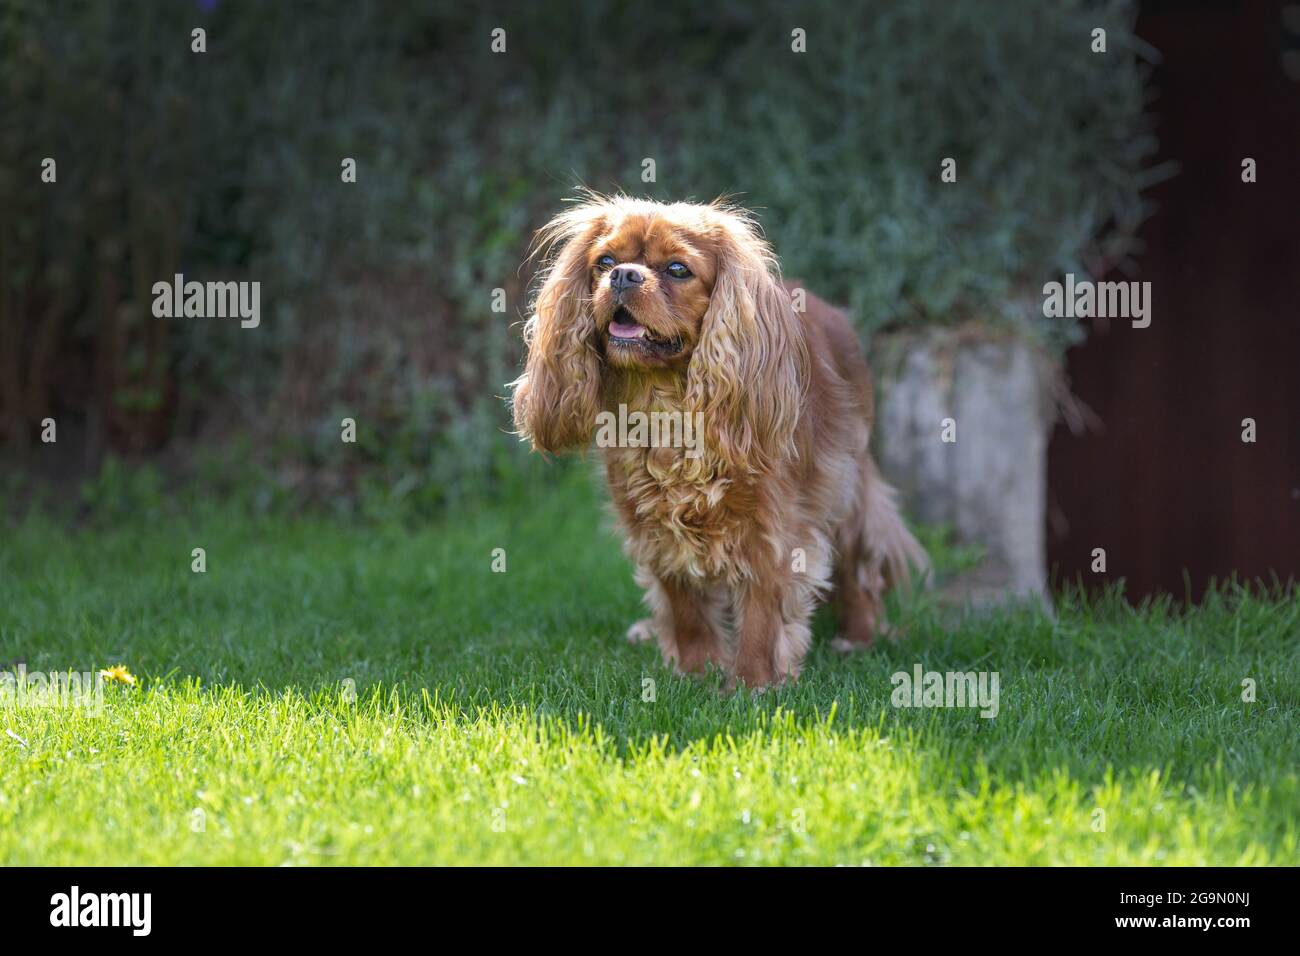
1167	486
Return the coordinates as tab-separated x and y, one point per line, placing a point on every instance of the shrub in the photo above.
376	295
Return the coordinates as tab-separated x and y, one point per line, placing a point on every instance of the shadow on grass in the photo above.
426	630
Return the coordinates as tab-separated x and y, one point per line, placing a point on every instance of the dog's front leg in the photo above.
773	631
689	621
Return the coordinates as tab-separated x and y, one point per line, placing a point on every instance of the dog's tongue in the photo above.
626	330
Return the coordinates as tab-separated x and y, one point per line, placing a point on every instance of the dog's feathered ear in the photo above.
748	374
556	399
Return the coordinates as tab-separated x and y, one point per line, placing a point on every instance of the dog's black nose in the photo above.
625	277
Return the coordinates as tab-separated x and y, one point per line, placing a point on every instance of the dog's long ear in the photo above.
749	372
556	399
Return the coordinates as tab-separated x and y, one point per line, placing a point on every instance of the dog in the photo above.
680	309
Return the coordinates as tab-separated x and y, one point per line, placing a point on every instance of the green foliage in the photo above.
123	492
227	165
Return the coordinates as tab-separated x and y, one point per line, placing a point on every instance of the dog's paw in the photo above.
641	632
842	645
866	639
733	685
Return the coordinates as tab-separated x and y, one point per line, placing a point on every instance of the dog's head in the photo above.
678	292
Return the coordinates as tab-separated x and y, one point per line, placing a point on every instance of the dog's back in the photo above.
832	326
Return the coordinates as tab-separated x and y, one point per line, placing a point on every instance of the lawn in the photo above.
500	718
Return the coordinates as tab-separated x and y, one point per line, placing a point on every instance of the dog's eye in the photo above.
678	271
604	262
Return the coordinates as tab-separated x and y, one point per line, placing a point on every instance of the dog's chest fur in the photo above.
681	518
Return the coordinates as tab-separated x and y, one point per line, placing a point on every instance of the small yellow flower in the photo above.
118	674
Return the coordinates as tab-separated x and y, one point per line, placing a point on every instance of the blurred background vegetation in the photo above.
377	296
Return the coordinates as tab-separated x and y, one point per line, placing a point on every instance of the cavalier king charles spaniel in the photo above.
680	308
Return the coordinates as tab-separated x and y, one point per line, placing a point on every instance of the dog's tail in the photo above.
890	551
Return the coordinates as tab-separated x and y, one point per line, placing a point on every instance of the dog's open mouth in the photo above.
626	332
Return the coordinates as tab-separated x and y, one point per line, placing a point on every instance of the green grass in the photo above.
499	718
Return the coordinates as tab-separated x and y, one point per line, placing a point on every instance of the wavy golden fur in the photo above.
680	309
